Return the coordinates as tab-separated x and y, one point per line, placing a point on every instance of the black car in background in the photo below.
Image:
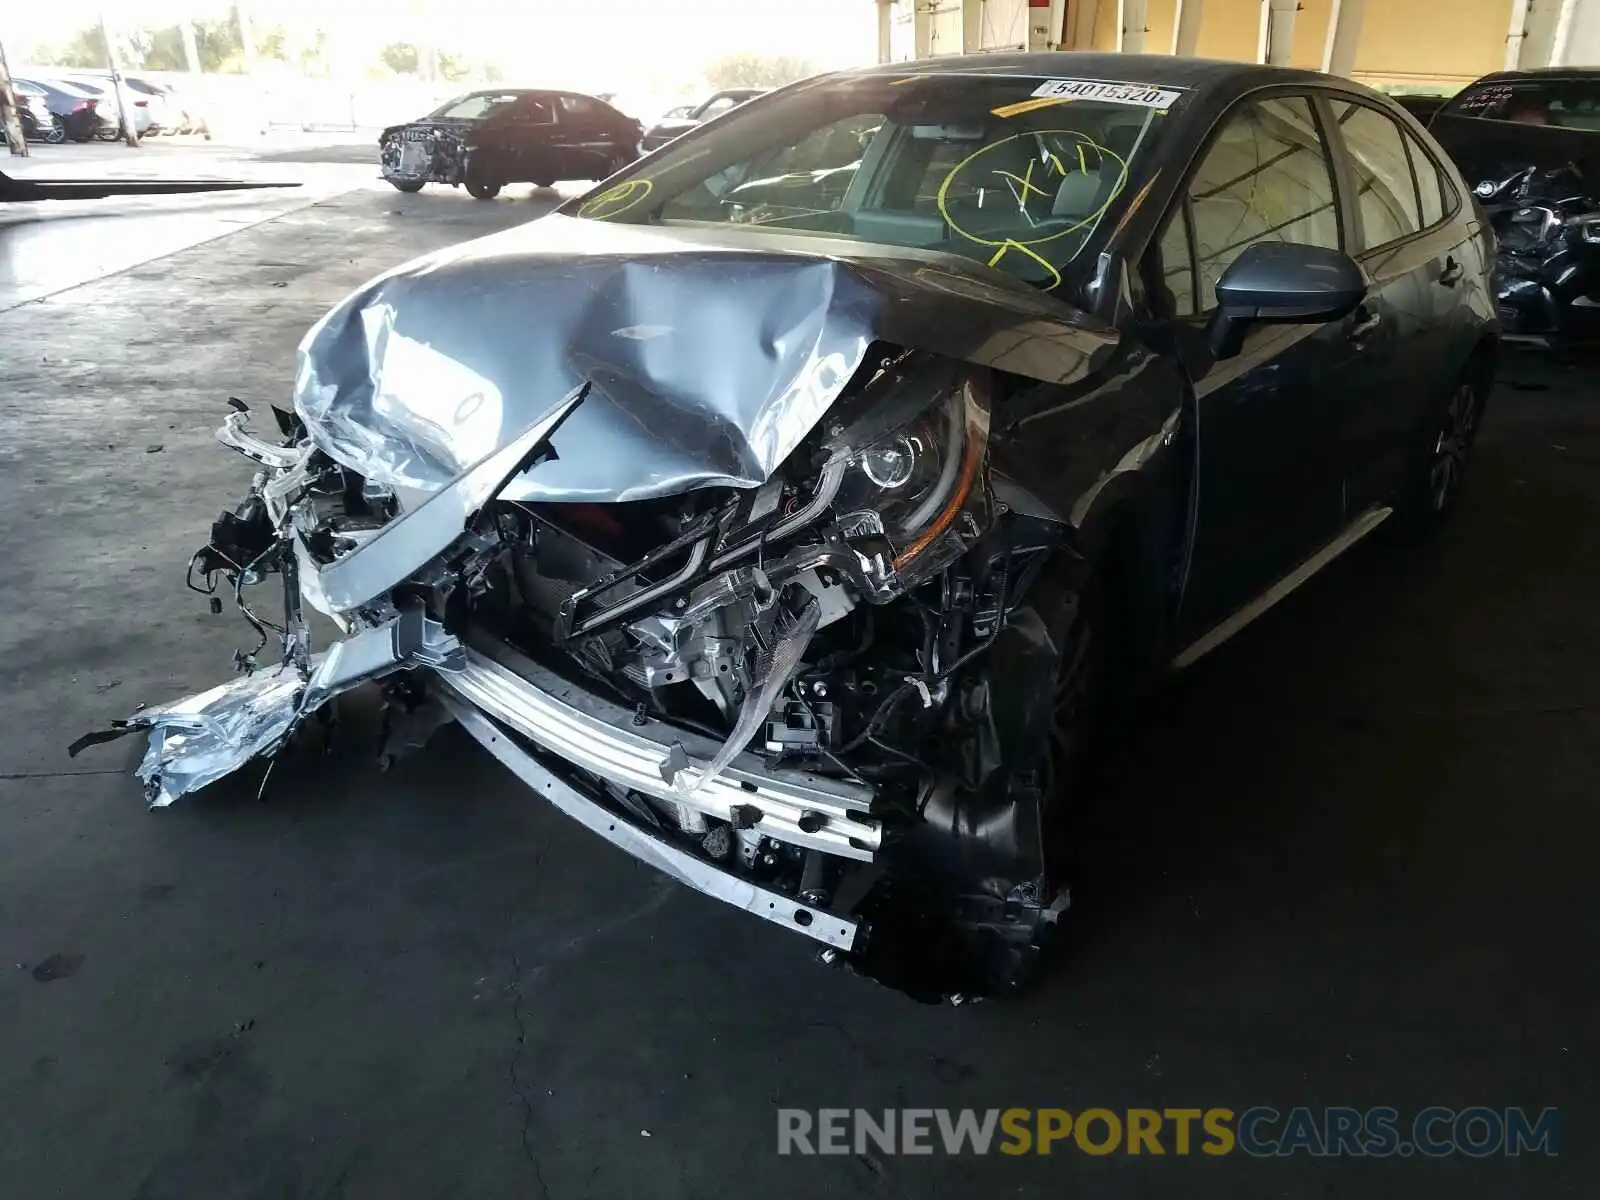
485	140
1529	143
798	507
669	127
78	110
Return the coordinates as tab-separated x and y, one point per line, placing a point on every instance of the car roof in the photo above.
1577	74
51	83
1163	69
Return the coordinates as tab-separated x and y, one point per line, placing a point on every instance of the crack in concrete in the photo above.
516	1083
59	774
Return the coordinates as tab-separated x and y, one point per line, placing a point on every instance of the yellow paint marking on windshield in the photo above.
1026	182
1028	106
1083	163
615	201
942	198
1055	275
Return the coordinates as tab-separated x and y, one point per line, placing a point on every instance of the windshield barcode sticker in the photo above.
1115	93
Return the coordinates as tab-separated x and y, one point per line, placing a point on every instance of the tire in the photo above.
57	133
1439	463
481	190
409	186
544	183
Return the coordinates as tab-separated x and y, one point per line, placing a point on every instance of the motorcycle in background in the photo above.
1547	270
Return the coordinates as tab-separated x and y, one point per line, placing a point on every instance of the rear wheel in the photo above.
1440	462
482	189
409	186
57	133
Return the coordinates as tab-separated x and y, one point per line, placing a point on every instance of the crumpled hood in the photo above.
710	353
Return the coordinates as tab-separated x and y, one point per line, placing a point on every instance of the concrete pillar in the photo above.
1057	39
130	131
191	51
1344	31
922	28
1186	27
1130	26
1276	44
971	26
12	133
1563	33
247	37
885	30
1080	24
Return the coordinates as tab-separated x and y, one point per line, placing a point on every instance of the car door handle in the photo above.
1366	326
1452	273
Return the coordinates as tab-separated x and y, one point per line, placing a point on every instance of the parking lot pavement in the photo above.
1350	861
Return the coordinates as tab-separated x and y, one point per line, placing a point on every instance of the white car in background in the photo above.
153	112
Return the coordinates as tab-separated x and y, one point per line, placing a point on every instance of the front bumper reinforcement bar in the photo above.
841	933
603	739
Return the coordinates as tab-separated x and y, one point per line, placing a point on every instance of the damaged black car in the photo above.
1529	143
793	510
484	140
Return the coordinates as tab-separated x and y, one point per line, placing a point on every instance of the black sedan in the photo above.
1529	143
671	126
485	140
797	509
78	111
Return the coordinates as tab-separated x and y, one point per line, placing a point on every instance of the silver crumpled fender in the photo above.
199	739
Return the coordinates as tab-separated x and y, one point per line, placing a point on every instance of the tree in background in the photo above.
221	50
86	48
757	70
402	58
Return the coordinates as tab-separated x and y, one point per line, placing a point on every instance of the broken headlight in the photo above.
915	468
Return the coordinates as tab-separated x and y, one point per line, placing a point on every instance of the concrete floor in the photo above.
1352	864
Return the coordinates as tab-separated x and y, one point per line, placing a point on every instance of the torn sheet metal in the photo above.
199	739
711	353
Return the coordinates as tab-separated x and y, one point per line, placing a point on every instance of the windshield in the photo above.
471	107
1017	172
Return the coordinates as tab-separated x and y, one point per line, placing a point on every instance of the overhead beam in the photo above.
1186	27
1344	31
1130	26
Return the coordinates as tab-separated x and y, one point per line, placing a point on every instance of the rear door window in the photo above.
581	108
1385	189
1433	189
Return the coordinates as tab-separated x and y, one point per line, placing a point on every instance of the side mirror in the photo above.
1282	283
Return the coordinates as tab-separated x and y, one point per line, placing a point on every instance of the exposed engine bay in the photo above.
836	625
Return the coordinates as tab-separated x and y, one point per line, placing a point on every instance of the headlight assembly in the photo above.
915	467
